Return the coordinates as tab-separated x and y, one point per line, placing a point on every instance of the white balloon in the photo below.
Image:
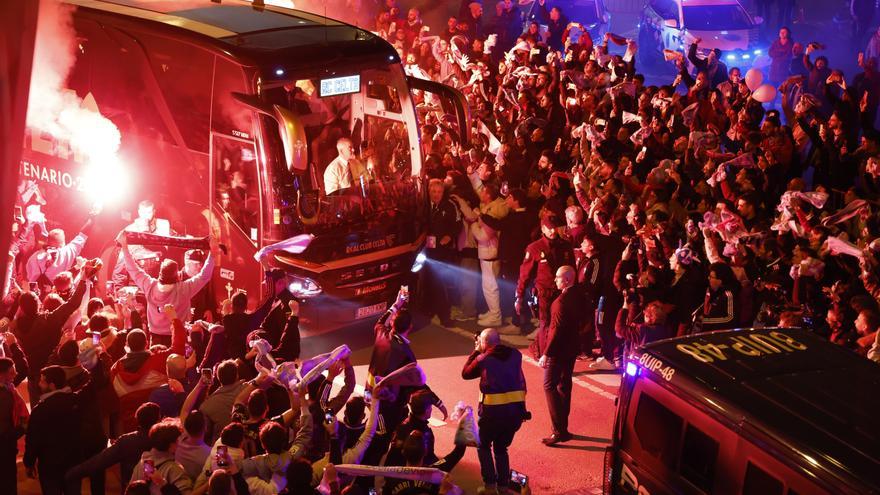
754	78
765	93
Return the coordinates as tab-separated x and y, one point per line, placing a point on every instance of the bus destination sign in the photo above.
340	85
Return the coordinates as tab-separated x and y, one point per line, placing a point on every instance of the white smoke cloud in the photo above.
59	112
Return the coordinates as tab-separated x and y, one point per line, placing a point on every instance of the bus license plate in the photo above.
370	310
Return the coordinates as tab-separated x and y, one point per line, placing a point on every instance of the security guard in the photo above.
502	404
543	257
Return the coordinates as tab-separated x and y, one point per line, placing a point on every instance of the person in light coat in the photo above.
487	248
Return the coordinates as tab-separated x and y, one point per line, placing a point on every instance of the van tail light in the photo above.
608	471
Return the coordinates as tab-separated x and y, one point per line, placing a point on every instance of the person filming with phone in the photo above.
158	466
502	404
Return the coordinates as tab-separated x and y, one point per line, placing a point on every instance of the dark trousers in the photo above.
545	300
97	479
507	284
605	329
436	288
557	388
496	435
8	482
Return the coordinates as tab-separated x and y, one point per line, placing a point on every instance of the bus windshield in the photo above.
359	145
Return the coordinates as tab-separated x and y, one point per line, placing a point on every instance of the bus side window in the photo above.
657	429
759	482
698	455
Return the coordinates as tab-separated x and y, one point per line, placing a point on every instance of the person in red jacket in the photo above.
142	370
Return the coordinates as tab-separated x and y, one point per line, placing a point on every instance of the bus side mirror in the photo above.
293	133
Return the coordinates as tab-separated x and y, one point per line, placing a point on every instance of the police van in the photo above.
768	411
723	24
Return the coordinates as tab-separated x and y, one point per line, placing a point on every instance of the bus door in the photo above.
236	183
430	96
236	214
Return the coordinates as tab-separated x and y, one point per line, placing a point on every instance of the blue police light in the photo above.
757	52
632	369
731	57
419	263
746	56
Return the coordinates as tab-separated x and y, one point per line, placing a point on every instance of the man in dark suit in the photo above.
444	224
561	352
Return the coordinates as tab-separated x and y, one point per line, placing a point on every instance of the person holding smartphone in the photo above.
502	403
157	465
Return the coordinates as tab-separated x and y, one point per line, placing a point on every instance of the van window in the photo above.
657	429
698	455
759	482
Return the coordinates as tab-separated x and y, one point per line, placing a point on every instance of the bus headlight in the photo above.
303	287
419	263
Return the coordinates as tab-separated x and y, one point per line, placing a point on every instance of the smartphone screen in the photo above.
518	478
222	451
149	469
33	286
207	375
328	417
96	338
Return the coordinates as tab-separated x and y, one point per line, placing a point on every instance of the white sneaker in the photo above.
602	364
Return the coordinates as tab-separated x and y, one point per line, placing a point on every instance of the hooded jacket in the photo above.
178	294
137	374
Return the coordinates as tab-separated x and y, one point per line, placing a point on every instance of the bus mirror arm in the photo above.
293	133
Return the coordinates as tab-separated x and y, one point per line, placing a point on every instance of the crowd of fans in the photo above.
682	208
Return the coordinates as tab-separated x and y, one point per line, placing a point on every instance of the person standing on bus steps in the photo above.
543	257
443	226
164	290
145	258
561	352
502	404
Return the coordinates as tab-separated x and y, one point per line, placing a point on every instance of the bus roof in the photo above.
819	399
238	24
